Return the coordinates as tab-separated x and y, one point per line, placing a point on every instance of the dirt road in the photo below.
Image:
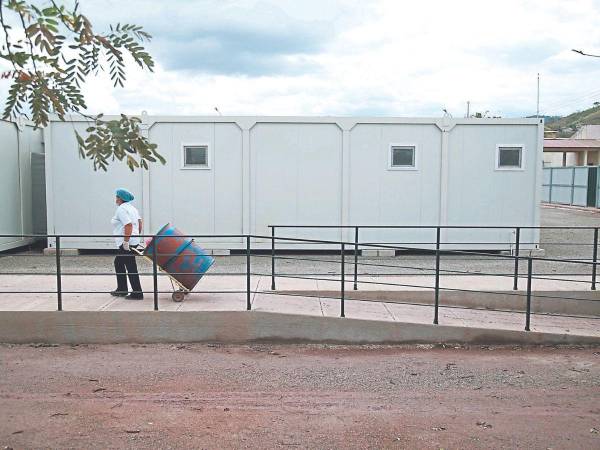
264	396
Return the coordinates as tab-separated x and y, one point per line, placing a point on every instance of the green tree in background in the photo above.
52	50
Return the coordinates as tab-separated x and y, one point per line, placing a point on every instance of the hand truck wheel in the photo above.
178	296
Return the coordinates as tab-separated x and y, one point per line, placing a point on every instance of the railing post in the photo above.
437	275
272	258
356	258
154	273
58	275
594	259
528	311
517	245
248	303
342	290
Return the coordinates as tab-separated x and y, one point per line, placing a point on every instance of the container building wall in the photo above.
380	195
310	171
480	194
198	201
18	144
79	200
296	178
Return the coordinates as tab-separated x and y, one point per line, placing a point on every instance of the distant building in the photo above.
571	152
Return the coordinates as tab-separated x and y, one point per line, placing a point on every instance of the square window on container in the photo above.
403	157
195	157
509	157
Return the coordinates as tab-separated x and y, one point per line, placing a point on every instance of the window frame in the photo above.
208	165
510	168
391	156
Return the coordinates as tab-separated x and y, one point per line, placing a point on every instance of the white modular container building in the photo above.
237	175
20	143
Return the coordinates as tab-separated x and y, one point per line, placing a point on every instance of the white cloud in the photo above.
379	57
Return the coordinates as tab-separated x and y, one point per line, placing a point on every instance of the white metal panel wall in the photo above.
30	141
198	201
82	200
296	177
380	196
15	181
305	170
10	192
478	194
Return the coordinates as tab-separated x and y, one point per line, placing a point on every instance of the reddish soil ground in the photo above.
298	396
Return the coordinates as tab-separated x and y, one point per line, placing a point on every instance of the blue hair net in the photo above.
124	195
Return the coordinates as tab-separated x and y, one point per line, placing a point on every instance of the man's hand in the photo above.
126	246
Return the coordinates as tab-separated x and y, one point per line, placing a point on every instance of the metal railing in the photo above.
342	247
438	243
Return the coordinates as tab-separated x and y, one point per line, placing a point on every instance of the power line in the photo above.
573	99
557	105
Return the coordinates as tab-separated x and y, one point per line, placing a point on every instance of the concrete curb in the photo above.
109	327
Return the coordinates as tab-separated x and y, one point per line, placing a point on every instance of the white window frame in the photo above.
196	144
510	169
391	156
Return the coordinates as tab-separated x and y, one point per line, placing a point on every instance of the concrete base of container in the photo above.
533	252
219	252
48	251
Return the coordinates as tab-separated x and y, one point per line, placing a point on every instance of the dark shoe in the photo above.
134	296
117	293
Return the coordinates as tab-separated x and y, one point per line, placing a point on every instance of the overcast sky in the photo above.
346	57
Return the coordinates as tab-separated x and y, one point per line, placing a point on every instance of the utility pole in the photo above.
537	110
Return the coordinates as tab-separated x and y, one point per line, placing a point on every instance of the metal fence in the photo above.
575	186
348	254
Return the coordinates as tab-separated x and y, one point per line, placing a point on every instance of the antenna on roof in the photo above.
537	110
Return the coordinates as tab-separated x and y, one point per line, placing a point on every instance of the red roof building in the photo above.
571	152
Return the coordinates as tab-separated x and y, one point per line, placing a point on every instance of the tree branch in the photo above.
62	16
585	54
4	27
28	40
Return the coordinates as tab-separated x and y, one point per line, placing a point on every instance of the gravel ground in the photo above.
298	396
568	247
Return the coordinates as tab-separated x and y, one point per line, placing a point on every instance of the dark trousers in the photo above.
125	260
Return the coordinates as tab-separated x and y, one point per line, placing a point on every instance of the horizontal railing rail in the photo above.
439	243
346	250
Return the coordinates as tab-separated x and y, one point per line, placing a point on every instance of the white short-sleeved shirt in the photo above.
126	214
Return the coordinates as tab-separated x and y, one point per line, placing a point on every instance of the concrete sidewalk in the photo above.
304	297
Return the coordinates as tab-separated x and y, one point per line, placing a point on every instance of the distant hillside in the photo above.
547	119
568	125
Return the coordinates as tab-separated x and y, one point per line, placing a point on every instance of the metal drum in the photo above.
179	256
